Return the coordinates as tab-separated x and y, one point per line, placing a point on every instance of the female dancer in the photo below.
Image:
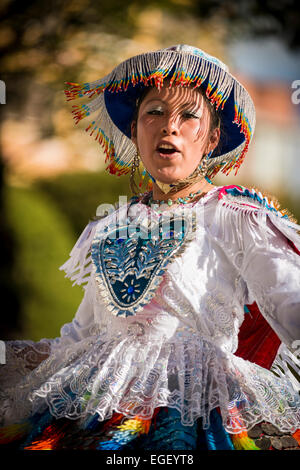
190	288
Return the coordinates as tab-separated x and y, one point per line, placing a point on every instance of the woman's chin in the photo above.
168	178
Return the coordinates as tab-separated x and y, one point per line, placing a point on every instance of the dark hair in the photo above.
139	102
215	120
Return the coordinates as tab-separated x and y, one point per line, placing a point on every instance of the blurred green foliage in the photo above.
291	204
78	195
43	239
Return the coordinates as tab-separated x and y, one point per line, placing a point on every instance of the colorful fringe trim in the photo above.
125	433
161	433
266	200
240	440
49	438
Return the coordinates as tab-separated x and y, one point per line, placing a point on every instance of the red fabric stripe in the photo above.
257	341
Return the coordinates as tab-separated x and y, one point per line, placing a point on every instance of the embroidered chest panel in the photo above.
130	260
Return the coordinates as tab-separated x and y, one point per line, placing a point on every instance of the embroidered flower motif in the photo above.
130	292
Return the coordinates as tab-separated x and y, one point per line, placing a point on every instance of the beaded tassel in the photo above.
142	177
48	439
241	440
125	433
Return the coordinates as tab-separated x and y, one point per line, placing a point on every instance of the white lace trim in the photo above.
22	357
133	376
79	265
287	364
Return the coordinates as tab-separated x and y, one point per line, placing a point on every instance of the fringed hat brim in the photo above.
114	98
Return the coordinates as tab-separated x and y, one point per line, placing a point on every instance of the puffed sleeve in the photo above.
271	270
265	247
78	270
78	266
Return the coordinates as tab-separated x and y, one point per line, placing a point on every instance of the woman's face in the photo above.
172	132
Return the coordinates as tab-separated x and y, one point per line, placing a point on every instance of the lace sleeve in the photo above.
264	246
83	324
271	270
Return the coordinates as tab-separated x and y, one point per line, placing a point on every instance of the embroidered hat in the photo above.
112	101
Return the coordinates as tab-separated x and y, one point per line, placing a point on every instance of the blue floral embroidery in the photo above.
130	267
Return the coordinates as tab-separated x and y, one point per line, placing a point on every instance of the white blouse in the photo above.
178	347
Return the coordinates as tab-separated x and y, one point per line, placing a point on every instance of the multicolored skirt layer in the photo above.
164	432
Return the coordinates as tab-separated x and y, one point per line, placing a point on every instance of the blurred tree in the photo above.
31	34
256	17
11	305
79	195
44	239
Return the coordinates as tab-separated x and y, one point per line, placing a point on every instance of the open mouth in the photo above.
166	149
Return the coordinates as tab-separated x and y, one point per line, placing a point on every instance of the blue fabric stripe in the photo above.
217	437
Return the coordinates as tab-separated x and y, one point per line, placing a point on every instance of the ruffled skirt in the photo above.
87	384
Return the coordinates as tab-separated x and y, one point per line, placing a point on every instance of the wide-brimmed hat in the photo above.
110	103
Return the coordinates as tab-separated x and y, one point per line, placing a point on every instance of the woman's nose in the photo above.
170	127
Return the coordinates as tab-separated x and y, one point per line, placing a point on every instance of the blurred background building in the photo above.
52	173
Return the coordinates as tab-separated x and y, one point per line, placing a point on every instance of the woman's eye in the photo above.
155	112
189	115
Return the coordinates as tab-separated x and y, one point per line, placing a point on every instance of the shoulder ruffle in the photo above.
78	266
240	196
244	217
253	209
